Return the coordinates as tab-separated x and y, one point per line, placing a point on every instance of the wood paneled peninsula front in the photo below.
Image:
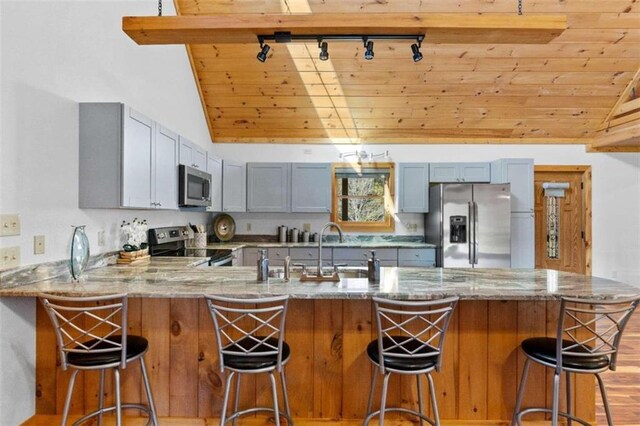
328	327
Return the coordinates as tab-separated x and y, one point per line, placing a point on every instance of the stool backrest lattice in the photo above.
415	329
593	327
88	324
247	327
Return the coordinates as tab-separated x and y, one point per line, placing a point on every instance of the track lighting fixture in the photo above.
417	56
367	40
324	50
368	53
264	50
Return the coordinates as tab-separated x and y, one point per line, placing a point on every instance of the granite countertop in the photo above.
329	244
180	277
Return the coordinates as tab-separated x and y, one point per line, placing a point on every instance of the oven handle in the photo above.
224	261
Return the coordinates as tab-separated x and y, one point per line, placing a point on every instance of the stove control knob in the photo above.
161	235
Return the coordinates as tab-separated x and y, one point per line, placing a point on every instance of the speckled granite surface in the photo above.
353	244
180	277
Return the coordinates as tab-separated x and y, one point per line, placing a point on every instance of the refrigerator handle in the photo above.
475	233
471	233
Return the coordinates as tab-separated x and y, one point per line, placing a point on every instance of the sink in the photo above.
345	272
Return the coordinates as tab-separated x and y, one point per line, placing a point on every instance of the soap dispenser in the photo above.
263	266
373	268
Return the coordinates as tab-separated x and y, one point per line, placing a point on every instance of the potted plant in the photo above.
135	233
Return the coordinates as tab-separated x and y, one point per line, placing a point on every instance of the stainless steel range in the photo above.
172	242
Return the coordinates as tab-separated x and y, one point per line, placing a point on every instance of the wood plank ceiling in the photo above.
559	92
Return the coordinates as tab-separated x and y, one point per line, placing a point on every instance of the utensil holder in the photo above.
200	240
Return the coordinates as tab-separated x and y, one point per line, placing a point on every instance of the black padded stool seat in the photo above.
544	349
401	363
136	346
255	362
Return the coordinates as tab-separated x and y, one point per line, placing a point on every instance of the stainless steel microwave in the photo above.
194	187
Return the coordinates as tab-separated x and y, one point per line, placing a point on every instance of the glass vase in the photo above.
79	252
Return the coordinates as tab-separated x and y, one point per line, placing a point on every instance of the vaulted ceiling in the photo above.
560	92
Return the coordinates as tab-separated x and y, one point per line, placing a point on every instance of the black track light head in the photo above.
417	56
264	50
368	53
324	51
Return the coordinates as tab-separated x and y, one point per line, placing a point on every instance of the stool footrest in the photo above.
401	410
257	410
104	410
548	410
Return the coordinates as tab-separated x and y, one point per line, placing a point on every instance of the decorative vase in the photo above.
79	252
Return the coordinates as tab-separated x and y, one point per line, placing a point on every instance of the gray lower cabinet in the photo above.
519	173
164	170
459	172
277	255
250	256
234	184
310	187
523	250
268	187
126	159
359	256
309	256
214	168
422	257
413	190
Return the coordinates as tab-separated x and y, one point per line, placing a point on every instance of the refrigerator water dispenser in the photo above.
458	226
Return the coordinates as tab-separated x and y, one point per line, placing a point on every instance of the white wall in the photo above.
616	189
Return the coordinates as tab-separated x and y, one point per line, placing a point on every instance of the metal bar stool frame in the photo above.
74	338
435	315
606	343
274	324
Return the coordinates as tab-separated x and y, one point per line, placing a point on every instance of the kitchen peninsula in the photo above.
328	328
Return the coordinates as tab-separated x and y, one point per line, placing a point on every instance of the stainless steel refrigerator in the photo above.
470	224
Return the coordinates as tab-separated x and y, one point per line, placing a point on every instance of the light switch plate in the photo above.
38	244
100	238
9	224
9	257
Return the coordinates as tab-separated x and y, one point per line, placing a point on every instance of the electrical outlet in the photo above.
248	226
307	152
9	257
38	244
9	224
100	238
306	227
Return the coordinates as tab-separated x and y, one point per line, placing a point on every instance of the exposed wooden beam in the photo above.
439	28
626	135
624	97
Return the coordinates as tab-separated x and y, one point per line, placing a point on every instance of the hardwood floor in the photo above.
623	385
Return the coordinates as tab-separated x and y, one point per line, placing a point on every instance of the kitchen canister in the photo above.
305	237
282	233
200	241
294	235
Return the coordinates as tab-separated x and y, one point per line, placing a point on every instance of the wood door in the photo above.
572	230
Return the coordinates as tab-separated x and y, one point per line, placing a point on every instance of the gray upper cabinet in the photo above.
519	173
311	187
164	169
459	172
214	168
123	162
413	187
192	155
234	184
268	187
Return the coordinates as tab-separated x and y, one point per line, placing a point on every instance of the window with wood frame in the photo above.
363	197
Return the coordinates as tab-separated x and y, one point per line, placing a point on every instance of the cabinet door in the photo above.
414	188
311	187
136	160
519	173
523	240
234	182
422	257
214	168
186	152
199	158
165	169
268	187
443	172
250	256
474	172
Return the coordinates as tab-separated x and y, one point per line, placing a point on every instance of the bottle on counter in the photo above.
373	268
263	266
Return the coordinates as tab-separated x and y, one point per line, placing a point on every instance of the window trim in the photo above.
389	216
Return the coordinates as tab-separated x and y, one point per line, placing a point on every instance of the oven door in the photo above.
194	187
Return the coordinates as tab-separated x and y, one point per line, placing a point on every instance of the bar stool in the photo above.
587	341
90	337
410	339
250	340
